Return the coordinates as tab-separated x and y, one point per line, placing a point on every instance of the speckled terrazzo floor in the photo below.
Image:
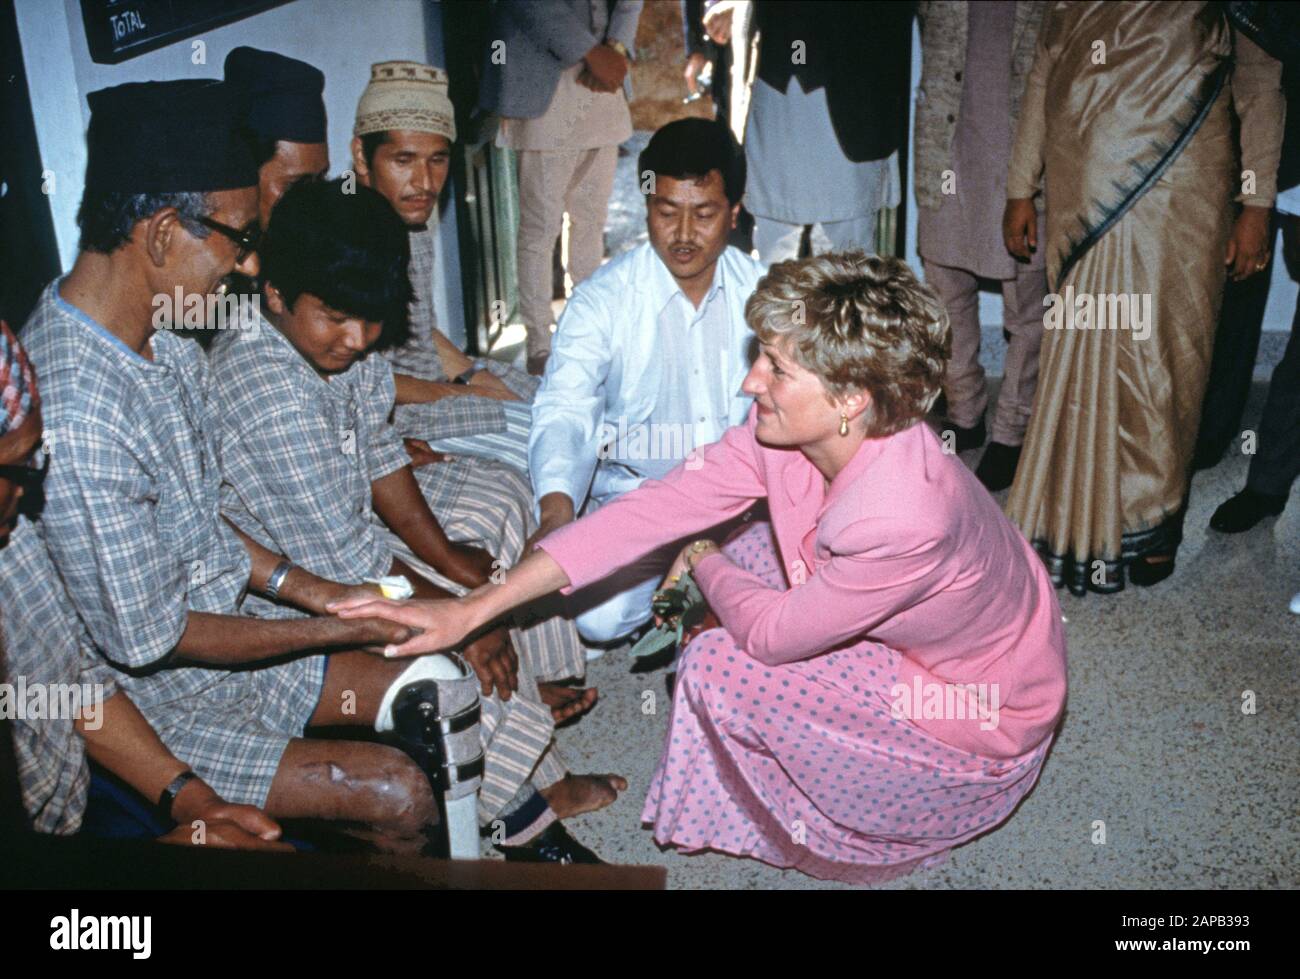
1193	792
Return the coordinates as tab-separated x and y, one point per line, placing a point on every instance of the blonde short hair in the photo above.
859	322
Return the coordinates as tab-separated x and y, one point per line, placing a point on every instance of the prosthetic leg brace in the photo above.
433	708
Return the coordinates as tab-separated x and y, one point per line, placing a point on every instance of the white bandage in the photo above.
394	587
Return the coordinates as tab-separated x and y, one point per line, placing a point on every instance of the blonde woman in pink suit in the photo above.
890	665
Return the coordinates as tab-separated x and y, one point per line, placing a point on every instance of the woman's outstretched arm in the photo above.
445	623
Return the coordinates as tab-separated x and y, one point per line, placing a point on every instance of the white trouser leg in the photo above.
840	236
775	240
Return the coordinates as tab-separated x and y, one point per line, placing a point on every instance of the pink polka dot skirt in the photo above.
803	765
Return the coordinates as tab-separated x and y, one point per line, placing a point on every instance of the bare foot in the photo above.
576	794
566	703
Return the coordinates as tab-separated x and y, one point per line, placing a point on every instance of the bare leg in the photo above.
359	680
355	684
576	794
377	791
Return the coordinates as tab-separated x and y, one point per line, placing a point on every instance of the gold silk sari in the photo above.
1127	123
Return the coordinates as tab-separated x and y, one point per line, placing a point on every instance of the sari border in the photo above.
1079	574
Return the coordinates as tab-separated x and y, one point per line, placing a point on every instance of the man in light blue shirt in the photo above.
649	358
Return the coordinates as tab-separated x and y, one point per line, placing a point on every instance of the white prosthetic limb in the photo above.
434	708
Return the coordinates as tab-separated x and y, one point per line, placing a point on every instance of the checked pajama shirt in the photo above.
299	455
132	519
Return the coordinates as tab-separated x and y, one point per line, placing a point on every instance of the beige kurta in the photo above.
1140	174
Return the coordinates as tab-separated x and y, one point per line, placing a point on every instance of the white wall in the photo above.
340	37
1282	291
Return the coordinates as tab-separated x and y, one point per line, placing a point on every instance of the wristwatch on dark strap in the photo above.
169	794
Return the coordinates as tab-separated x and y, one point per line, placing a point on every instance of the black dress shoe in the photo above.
552	845
966	438
997	469
1245	510
1144	573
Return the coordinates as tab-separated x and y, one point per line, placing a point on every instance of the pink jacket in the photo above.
905	548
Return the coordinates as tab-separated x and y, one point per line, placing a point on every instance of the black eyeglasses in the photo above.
246	240
31	473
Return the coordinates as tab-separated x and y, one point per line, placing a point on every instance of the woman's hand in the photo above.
444	622
675	570
693	552
1020	227
495	662
680	565
1248	247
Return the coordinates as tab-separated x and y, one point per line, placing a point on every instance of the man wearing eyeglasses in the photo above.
43	647
132	498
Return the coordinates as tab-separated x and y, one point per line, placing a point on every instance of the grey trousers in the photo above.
1022	319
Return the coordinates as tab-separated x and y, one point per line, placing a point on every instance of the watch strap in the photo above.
169	794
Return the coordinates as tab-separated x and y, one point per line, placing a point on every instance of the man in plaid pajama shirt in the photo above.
62	697
401	148
314	470
481	495
132	494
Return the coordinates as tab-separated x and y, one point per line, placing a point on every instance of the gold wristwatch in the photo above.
697	548
621	48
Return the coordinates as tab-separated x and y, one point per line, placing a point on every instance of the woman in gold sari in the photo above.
1126	127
